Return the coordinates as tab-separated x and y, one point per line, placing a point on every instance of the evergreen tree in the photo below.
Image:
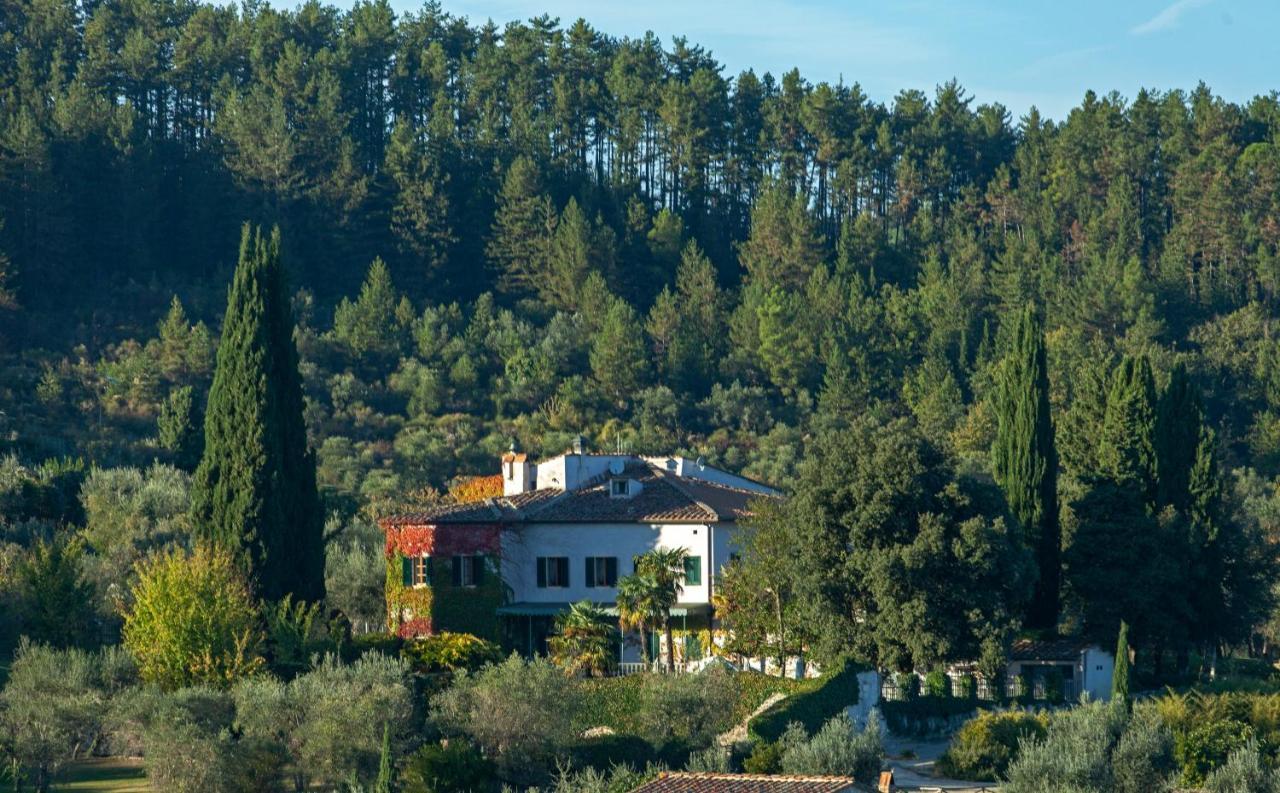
1120	673
254	491
383	783
522	228
1025	461
372	324
618	360
1126	452
1179	416
178	426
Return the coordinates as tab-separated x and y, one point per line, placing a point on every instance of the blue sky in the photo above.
1021	54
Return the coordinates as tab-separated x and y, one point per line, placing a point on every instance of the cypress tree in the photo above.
1179	416
1126	452
254	491
383	783
1025	461
1120	674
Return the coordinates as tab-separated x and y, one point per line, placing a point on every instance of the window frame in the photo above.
693	563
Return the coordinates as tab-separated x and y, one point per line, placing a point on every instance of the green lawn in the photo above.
106	775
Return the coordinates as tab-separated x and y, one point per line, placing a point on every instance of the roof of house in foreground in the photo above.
663	498
684	782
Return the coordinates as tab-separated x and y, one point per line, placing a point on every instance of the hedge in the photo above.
913	716
606	751
813	703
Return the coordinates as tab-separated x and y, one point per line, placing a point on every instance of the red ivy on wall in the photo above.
442	540
418	626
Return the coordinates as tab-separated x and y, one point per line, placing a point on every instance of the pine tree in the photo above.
522	228
618	360
254	491
1025	461
369	326
1120	673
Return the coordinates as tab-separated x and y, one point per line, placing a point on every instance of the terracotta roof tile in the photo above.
663	498
747	783
1047	649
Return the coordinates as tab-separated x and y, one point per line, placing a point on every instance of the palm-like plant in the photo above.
584	640
636	608
664	568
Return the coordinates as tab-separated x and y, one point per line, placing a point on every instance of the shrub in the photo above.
291	638
604	751
193	620
329	720
456	766
382	643
619	779
983	748
937	684
837	749
918	716
712	760
690	708
1207	746
1073	756
449	652
1243	772
189	745
765	758
520	713
1143	759
817	701
966	688
908	684
55	702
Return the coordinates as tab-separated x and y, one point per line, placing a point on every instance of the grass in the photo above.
103	775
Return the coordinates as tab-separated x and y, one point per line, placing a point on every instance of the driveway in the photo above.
914	771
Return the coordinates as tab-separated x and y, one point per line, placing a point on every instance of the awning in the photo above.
553	609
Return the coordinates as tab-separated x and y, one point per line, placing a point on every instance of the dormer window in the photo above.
619	488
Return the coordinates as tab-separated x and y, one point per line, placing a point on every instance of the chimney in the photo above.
579	445
517	472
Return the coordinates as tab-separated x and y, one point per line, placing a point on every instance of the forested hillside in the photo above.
537	229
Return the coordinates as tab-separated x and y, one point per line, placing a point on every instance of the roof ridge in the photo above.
679	486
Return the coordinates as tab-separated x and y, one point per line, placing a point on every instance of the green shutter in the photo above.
693	570
477	569
564	570
457	570
542	572
406	570
611	571
590	568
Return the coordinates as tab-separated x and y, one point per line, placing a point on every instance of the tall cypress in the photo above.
254	491
1025	461
1120	672
1179	416
1126	451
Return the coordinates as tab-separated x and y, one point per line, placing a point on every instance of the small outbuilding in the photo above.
1078	666
686	782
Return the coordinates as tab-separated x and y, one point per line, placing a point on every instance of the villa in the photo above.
564	530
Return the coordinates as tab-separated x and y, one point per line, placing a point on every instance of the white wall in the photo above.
522	546
684	467
1099	665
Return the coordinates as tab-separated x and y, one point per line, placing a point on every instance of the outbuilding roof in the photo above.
684	782
1047	649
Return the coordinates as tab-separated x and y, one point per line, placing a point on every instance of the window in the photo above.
619	488
416	570
693	570
602	571
553	571
468	571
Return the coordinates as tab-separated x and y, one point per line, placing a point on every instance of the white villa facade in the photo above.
568	529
